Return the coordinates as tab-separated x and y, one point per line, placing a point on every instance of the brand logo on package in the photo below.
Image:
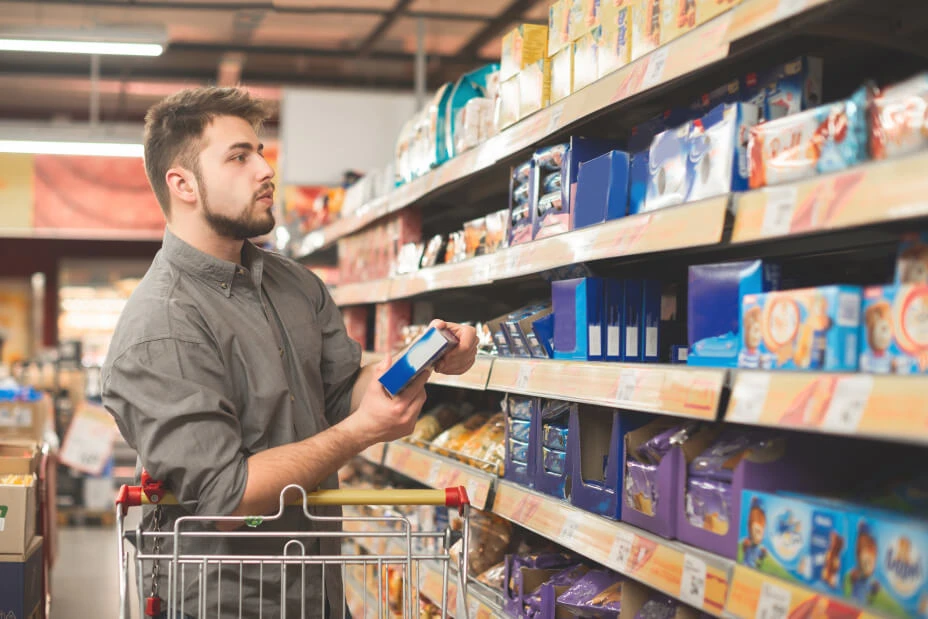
787	535
904	566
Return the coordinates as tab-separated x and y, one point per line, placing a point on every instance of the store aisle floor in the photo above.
85	580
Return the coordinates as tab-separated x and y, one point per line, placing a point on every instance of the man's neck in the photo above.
209	242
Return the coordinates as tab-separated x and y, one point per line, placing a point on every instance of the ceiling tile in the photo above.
485	8
441	36
317	31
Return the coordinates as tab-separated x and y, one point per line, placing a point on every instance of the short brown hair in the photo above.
174	126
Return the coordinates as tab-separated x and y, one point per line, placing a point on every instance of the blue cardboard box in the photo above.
522	413
794	538
805	329
787	88
892	333
639	145
615	320
718	151
668	168
651	320
22	582
602	189
714	308
633	320
421	355
578	318
552	483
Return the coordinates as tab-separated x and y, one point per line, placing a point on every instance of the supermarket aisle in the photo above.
85	581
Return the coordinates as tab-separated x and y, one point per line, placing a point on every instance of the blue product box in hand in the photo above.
421	355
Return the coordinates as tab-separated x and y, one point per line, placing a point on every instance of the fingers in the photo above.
384	364
439	324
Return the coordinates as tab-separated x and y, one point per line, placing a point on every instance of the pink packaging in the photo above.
391	318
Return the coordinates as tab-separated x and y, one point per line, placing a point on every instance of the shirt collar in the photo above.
222	274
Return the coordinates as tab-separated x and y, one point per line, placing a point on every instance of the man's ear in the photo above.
182	184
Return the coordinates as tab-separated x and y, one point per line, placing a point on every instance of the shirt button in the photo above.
292	399
241	271
223	285
281	351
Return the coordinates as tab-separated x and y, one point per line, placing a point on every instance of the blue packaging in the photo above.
469	86
729	92
602	189
637	181
578	318
552	182
633	320
787	88
518	451
892	333
668	168
421	355
543	330
651	320
829	138
519	430
805	329
555	461
794	538
521	210
912	260
614	319
718	151
520	407
639	144
21	582
714	308
554	436
679	354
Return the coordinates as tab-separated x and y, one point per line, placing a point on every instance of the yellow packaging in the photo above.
534	87
611	12
584	16
523	45
646	26
558	26
509	103
614	44
586	59
678	18
562	73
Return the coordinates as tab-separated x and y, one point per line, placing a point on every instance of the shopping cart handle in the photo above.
151	492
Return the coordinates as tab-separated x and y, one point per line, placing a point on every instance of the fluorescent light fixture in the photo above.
81	47
104	40
99	149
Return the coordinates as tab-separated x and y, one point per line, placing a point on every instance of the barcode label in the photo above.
596	341
631	341
612	345
650	342
848	309
774	602
569	528
778	214
749	397
621	553
628	381
693	583
848	404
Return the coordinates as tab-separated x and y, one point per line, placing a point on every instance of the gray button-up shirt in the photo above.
212	362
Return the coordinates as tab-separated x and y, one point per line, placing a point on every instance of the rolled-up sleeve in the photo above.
341	357
166	397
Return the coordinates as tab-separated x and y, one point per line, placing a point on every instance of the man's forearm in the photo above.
365	376
305	463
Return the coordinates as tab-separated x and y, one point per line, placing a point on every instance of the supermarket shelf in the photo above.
696	577
377	291
439	472
874	406
872	193
475	379
755	594
667	389
375	453
695	50
688	225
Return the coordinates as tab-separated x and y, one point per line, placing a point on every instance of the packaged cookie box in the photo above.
894	329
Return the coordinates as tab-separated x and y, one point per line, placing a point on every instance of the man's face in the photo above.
234	180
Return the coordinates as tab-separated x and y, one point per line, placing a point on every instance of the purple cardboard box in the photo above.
596	446
552	484
523	576
660	516
523	473
578	318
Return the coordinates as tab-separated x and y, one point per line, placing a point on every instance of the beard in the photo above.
254	221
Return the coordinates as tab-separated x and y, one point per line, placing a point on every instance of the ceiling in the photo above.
264	44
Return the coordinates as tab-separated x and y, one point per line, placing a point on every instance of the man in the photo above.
230	371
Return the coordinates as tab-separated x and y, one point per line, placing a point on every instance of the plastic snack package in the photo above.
475	237
597	594
434	423
495	576
459	433
490	537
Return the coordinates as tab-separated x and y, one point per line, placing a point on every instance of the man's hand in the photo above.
460	358
379	417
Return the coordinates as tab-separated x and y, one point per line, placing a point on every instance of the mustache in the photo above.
265	188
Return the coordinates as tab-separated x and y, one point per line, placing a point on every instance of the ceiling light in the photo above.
99	149
105	40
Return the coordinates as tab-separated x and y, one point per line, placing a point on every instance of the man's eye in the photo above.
241	158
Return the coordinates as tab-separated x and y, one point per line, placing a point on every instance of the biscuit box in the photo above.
614	44
794	538
522	46
805	329
894	329
646	26
786	89
558	26
912	260
825	139
718	152
900	118
887	562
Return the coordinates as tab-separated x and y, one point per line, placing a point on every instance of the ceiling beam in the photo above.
495	27
227	7
377	33
315	52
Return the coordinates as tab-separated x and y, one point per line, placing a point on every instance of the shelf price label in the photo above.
434	473
848	404
570	527
749	396
621	554
524	376
693	582
774	602
628	382
778	213
656	63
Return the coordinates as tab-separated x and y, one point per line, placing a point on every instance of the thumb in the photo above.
384	363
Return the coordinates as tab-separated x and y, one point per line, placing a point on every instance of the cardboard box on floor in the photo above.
18	502
21	582
24	420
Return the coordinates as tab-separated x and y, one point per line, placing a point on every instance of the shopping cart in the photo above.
404	550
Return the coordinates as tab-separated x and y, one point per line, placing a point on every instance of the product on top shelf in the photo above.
584	17
894	329
714	315
586	58
825	139
646	26
522	46
478	84
558	26
900	118
510	103
614	49
562	73
805	329
534	87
